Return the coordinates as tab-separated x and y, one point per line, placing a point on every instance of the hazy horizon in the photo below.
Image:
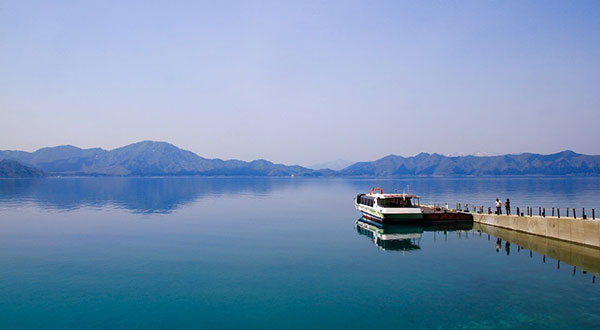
302	82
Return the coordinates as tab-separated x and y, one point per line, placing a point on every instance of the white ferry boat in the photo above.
382	207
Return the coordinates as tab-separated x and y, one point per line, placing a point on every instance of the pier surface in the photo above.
586	232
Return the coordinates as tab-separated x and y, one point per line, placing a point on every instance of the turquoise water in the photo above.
162	253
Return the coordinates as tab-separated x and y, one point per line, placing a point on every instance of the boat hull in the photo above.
380	217
392	217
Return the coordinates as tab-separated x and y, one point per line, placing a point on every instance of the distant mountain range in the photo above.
562	163
149	158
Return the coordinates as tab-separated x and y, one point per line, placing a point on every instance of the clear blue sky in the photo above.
302	81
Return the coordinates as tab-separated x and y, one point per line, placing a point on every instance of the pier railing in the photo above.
567	212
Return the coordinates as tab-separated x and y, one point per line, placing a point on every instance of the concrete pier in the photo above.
585	232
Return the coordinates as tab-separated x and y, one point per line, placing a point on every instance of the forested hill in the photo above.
13	169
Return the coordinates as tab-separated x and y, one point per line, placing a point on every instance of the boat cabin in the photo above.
388	200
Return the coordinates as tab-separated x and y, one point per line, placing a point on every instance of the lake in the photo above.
273	253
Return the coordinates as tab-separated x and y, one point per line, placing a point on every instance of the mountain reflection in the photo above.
140	195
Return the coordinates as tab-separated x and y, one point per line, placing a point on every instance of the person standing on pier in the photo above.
498	206
507	206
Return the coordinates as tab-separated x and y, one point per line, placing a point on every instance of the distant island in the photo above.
150	158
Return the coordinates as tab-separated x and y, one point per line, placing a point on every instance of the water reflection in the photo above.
140	195
587	259
165	194
402	237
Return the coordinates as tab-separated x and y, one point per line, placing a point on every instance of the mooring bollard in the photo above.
574	215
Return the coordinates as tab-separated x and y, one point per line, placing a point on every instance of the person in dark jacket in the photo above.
507	206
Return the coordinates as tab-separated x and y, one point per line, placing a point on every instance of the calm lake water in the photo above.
163	253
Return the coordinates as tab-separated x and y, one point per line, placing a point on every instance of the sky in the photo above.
302	82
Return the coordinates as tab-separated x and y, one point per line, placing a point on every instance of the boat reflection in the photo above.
401	237
391	237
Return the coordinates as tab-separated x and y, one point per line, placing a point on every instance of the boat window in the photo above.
366	200
395	202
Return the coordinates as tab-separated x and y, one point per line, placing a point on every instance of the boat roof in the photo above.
382	195
378	195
